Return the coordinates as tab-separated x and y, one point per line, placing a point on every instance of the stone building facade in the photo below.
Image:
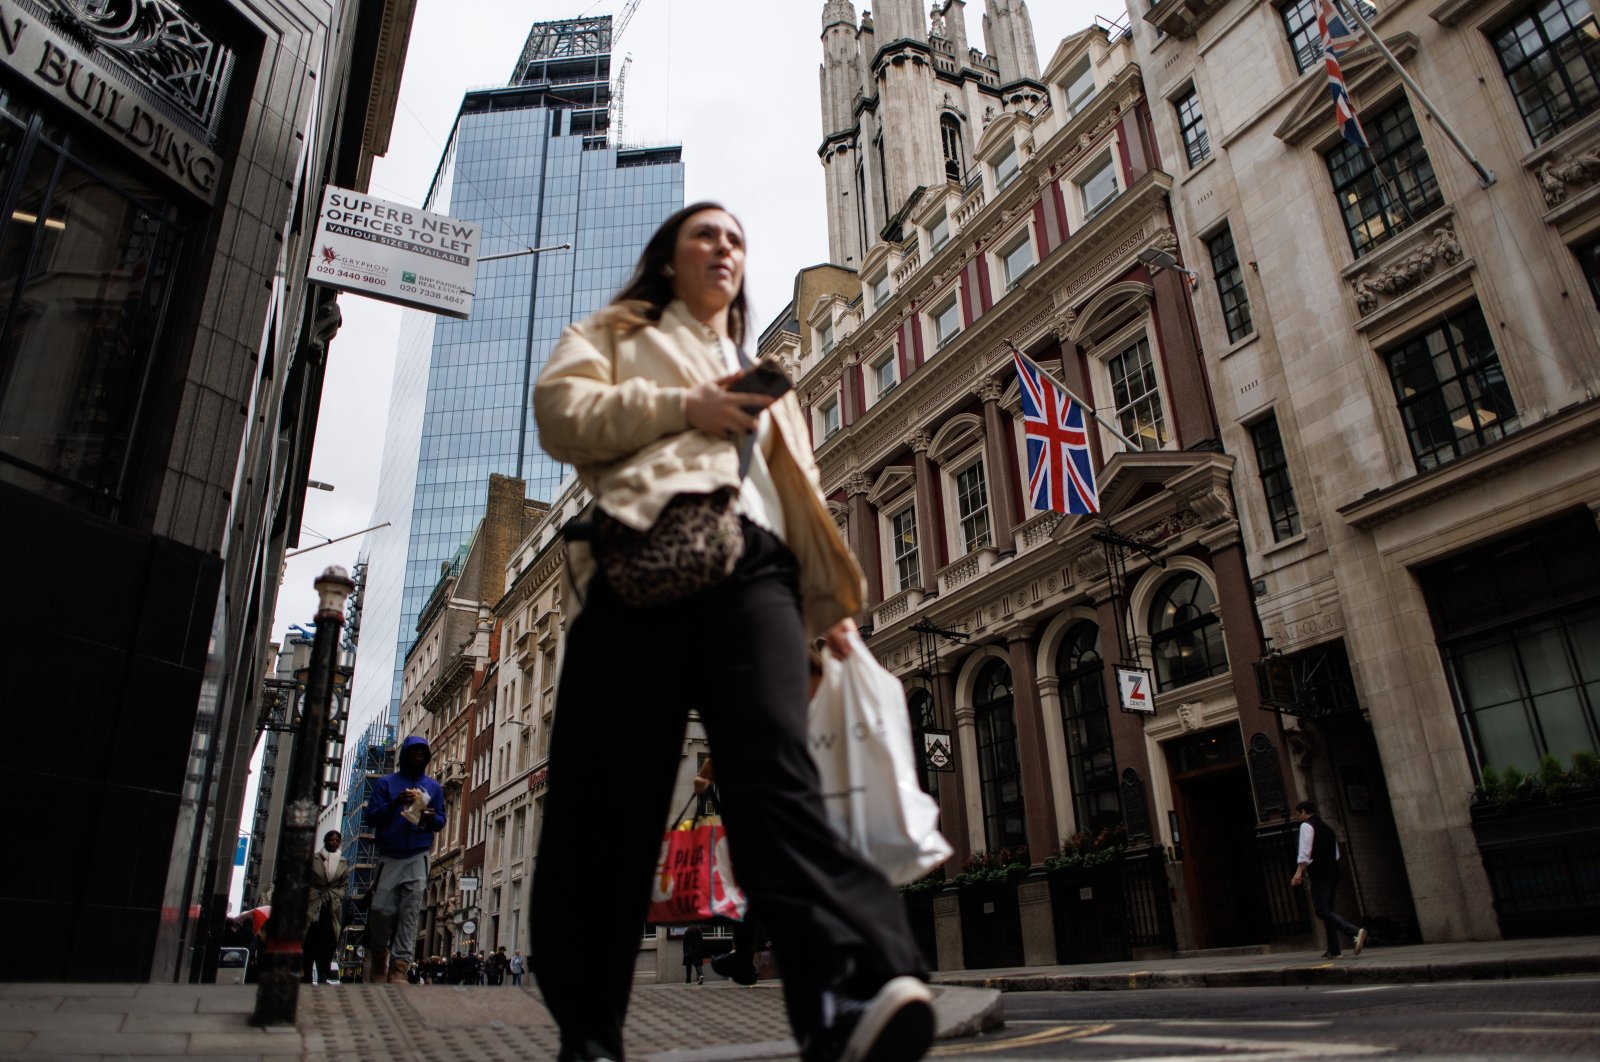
1407	363
448	699
161	368
1007	622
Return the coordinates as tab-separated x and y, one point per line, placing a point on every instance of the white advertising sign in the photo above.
1133	684
370	246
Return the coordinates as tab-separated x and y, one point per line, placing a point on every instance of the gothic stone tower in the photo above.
904	101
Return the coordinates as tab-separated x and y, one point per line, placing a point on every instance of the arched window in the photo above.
1185	634
1087	724
920	706
999	770
950	134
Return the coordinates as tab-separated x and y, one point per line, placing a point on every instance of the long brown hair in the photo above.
647	292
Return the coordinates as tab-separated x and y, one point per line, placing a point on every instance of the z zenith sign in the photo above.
1133	684
370	246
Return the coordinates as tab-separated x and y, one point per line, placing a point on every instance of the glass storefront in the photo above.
87	258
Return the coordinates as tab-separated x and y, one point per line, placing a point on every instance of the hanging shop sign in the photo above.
1133	688
55	61
938	754
370	246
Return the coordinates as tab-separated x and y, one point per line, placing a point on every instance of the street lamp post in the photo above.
281	961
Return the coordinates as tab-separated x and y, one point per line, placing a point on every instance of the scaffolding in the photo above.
564	39
371	759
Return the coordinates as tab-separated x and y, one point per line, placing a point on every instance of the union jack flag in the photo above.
1060	474
1337	39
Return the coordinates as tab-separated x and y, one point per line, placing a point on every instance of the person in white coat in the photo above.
637	399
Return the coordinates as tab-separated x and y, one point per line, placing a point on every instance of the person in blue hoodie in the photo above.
405	810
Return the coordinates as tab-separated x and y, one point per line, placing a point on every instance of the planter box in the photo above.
991	926
1091	924
919	912
1543	864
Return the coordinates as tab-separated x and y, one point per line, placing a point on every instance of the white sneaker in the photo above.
896	1025
1361	941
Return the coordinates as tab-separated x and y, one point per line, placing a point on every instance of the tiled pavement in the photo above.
666	1023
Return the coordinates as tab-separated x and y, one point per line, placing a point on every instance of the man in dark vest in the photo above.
1319	860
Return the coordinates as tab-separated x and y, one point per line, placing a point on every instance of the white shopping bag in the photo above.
860	736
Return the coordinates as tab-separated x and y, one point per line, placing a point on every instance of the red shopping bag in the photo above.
694	880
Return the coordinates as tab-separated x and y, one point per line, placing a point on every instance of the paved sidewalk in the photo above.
666	1023
395	1023
1473	961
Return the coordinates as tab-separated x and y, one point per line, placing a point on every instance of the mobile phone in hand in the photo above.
763	379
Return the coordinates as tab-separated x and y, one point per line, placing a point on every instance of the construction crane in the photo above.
614	115
616	96
622	22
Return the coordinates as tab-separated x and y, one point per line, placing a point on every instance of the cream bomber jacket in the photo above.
612	406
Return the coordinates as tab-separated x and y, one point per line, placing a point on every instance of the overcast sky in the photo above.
735	83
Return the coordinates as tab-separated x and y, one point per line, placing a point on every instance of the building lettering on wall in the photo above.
370	246
55	64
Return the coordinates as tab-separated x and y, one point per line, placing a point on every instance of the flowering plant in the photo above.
982	866
1084	849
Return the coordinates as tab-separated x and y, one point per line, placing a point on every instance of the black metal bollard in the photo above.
282	963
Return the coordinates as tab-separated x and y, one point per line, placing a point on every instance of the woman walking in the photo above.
637	399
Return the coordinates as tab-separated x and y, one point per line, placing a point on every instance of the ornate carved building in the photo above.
1006	622
1407	364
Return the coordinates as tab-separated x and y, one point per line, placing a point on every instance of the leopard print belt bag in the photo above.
694	544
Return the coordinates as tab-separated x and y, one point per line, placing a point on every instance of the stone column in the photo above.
1001	468
953	785
1037	802
949	953
929	540
971	797
1038	923
863	535
1127	731
1056	755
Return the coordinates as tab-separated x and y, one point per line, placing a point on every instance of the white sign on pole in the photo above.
469	884
1133	684
370	246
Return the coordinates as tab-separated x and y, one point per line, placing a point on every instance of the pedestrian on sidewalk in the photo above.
637	398
694	954
501	963
516	966
326	879
1318	860
405	810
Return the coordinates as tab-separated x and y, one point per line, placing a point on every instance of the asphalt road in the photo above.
1558	1018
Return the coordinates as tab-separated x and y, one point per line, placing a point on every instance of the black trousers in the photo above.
318	947
1322	893
736	654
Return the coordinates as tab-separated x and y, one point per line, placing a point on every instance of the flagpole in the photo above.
1087	408
1352	8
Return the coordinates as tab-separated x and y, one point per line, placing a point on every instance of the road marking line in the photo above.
1245	1022
1368	988
1058	1034
1261	1050
1518	1029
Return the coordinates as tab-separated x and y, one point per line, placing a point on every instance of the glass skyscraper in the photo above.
533	164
